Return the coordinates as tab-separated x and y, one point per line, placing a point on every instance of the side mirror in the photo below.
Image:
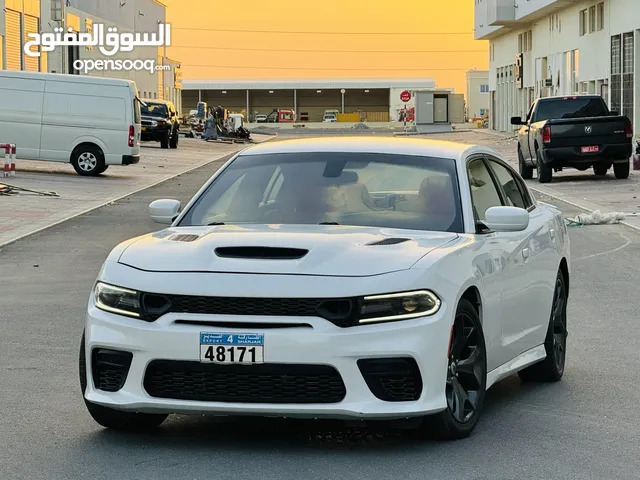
517	121
506	219
164	210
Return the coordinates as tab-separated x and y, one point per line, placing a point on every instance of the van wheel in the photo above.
164	142
88	160
173	143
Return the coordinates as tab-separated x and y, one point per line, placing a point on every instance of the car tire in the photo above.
621	170
543	171
551	369
526	171
468	357
88	160
600	169
110	418
173	143
164	141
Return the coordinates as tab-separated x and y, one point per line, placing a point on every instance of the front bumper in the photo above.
153	134
566	156
313	392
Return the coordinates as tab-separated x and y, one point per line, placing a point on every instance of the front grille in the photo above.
110	368
261	383
392	379
340	311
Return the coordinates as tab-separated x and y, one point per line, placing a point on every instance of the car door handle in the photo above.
525	253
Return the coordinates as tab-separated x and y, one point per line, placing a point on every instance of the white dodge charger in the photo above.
344	278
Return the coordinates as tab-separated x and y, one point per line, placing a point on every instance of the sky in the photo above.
286	39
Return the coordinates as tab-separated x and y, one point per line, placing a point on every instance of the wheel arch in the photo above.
85	143
472	295
564	269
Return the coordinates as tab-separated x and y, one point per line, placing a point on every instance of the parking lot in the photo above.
580	428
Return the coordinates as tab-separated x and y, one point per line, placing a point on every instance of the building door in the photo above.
440	109
31	64
13	40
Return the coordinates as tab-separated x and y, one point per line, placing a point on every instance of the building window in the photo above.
482	111
616	73
600	16
524	41
484	88
575	74
583	21
627	74
592	19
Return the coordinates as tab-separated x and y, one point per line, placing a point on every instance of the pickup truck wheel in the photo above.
544	172
173	143
600	169
621	170
164	142
526	171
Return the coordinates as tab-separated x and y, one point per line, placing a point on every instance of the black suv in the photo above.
159	123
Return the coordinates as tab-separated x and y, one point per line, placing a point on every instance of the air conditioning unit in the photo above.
548	82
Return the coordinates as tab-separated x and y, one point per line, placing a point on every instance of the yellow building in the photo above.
19	16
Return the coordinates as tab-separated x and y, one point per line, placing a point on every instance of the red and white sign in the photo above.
405	96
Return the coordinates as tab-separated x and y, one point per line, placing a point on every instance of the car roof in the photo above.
390	145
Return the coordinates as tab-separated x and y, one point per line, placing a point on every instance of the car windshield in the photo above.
157	109
377	190
571	108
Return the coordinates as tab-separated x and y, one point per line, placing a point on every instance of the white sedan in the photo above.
344	278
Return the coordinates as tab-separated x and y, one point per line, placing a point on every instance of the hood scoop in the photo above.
261	253
180	237
389	241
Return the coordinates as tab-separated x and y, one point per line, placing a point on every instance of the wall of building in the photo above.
565	51
477	97
126	18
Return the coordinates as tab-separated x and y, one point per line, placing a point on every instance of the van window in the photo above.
137	117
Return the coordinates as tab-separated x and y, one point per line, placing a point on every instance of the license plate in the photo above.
144	129
589	149
232	348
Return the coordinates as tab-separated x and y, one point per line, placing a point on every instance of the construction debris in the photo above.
6	189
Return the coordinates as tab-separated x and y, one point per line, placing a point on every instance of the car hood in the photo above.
279	249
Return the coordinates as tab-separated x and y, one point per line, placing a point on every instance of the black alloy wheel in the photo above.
551	369
466	369
466	379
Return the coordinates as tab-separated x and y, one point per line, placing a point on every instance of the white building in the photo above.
133	16
540	48
477	93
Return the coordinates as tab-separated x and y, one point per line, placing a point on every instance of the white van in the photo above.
90	122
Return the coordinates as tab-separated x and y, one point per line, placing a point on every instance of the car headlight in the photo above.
117	300
154	123
398	306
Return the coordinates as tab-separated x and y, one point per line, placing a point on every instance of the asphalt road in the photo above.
584	427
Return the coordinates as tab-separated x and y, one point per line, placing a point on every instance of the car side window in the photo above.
529	113
484	193
513	195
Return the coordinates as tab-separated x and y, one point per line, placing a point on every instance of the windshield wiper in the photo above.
215	223
328	223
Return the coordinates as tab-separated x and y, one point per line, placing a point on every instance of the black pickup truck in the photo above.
573	132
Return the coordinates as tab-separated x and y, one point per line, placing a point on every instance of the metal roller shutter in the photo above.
13	42
31	64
